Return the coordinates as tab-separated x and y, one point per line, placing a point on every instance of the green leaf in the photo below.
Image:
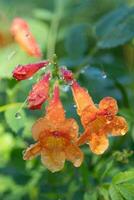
115	28
123	177
76	42
127	191
104	193
114	193
11	57
13	122
90	196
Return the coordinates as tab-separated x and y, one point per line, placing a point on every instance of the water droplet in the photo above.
104	76
82	71
18	115
70	82
30	78
74	105
27	35
65	88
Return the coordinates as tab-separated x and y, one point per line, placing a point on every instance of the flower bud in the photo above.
22	72
39	93
67	75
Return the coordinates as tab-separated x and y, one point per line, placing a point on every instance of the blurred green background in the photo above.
95	39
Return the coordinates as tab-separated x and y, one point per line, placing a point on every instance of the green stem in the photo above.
54	28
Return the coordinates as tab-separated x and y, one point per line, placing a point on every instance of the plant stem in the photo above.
54	28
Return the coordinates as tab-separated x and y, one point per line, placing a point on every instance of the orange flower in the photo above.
56	137
21	33
99	122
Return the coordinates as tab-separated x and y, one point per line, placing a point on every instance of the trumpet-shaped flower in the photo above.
23	72
56	137
99	122
39	93
22	35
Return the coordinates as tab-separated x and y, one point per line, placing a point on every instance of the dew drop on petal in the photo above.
27	35
18	115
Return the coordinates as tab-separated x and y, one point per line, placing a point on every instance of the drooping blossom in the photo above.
55	137
22	72
22	35
39	93
99	122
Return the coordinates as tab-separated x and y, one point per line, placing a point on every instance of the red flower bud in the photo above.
22	35
67	75
39	93
22	72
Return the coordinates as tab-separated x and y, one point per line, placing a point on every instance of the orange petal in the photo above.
37	128
70	128
53	160
98	143
55	111
21	32
82	98
88	115
54	142
32	151
109	105
74	154
118	126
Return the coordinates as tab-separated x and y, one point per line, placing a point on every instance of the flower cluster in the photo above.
57	138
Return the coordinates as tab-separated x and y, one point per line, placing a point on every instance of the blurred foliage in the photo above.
95	39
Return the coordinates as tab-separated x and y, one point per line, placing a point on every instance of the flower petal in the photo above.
74	154
21	32
118	126
82	98
55	111
98	143
39	93
70	128
22	72
109	105
37	128
53	160
32	151
54	141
